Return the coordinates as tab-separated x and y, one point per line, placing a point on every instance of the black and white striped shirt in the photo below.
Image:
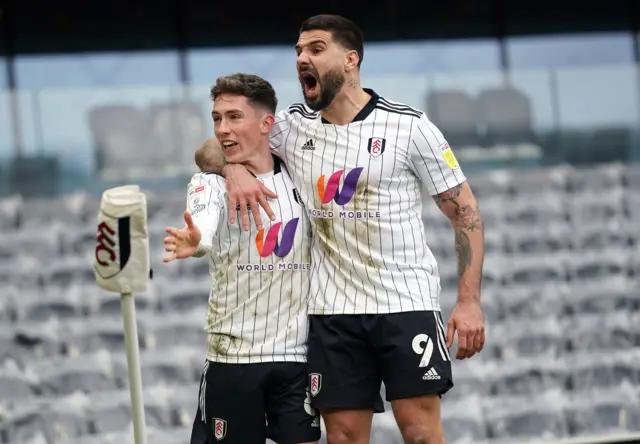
260	280
361	185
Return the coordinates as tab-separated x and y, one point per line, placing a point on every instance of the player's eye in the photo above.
216	118
316	51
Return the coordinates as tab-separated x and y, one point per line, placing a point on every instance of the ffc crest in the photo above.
113	246
219	428
315	383
376	146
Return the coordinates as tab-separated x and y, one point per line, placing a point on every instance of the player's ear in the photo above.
266	123
352	59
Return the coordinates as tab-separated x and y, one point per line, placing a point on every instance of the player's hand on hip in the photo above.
182	243
245	190
467	319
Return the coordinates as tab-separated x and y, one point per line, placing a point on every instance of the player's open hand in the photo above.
467	319
244	191
182	243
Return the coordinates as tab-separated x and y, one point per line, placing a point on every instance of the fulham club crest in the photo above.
315	383
219	428
376	146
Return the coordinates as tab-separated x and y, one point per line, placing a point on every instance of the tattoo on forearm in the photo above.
466	219
463	250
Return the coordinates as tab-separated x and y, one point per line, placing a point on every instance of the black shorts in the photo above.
248	403
350	355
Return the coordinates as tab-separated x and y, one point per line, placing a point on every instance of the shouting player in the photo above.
360	163
257	320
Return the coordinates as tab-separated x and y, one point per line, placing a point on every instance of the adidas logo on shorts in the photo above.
431	375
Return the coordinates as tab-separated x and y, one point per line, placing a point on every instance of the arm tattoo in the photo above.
466	218
463	250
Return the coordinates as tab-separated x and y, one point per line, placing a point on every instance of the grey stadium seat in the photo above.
111	411
588	266
55	305
529	376
526	302
22	273
537	240
463	420
15	383
599	296
590	371
83	336
595	209
174	329
86	373
186	293
43	245
48	421
528	338
28	341
169	366
601	332
632	176
455	113
543	211
184	403
536	270
491	183
67	271
470	379
535	182
612	411
599	179
597	237
527	417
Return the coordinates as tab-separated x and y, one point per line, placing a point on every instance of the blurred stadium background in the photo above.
540	100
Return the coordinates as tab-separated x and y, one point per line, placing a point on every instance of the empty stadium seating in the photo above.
561	295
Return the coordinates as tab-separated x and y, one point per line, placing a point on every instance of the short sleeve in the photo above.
432	159
279	133
205	202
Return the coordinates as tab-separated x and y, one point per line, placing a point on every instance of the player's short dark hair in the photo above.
256	89
343	31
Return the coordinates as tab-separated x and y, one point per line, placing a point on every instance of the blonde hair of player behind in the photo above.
209	157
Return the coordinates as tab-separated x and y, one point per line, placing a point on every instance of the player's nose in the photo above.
303	60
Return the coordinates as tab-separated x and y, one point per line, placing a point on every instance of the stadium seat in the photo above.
537	240
532	337
539	181
184	403
600	332
48	421
85	373
463	420
601	412
589	370
529	376
175	365
599	296
526	302
32	242
26	342
588	266
598	179
9	211
174	328
521	418
631	176
185	294
536	270
544	211
15	383
83	336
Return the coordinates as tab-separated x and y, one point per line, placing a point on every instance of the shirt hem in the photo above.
293	358
388	310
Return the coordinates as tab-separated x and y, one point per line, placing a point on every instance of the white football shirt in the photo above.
361	187
260	280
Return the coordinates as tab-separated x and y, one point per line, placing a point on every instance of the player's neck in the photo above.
261	163
347	104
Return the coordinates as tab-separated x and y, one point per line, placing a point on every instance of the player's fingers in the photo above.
172	231
244	214
255	209
188	220
471	337
267	192
462	345
170	239
478	341
233	204
168	259
267	208
170	247
451	330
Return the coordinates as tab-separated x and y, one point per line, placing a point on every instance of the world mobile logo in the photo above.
269	245
331	192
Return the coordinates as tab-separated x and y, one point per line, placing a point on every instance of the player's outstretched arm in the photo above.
245	191
460	206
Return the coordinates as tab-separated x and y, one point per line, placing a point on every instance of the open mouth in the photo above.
310	84
229	145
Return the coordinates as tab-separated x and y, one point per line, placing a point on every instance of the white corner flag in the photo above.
121	265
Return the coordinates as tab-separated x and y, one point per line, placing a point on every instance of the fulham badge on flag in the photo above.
376	146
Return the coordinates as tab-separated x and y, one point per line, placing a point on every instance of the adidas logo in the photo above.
309	145
431	375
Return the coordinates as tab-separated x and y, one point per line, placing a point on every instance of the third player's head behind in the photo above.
330	50
243	110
